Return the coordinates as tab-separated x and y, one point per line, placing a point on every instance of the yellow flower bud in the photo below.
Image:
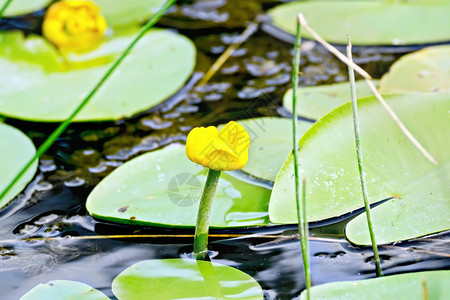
223	150
74	24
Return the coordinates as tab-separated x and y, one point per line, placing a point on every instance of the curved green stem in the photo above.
63	126
204	213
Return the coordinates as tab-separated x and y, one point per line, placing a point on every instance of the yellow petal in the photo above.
235	136
226	150
198	143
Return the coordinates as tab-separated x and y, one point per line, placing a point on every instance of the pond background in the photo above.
250	84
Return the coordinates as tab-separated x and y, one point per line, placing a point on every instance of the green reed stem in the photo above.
301	209
351	76
3	9
204	214
303	231
63	126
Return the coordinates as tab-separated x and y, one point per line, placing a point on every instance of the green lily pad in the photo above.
402	286
45	88
427	70
163	188
21	7
184	279
393	167
316	101
17	149
270	144
118	12
64	290
369	22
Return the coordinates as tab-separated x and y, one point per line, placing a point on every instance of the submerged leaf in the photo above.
394	169
167	279
164	188
45	87
369	22
420	285
16	150
64	290
427	70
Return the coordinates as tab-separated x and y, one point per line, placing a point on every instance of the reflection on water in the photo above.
274	262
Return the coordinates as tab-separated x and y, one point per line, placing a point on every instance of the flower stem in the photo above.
351	76
204	213
63	126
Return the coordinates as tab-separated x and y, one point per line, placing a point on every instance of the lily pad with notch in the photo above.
47	87
17	149
184	279
395	169
163	188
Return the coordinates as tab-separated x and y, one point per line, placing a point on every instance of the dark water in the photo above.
250	84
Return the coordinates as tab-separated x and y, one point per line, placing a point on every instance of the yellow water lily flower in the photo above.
223	150
74	24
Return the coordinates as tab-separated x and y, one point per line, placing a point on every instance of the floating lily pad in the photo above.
64	290
164	188
427	70
16	150
270	144
369	22
402	286
21	7
184	279
316	101
46	88
393	167
118	12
